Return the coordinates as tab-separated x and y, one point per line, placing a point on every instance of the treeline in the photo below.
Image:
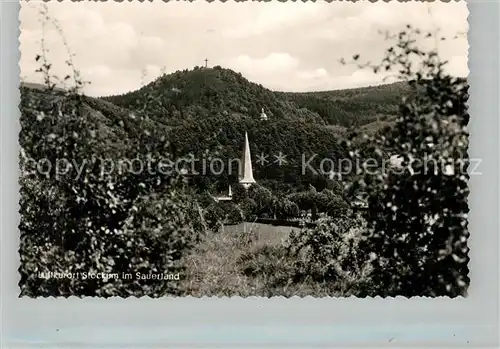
260	202
217	92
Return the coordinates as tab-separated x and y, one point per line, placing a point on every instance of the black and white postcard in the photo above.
244	149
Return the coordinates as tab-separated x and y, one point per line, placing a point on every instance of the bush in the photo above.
329	253
232	213
326	201
89	221
263	198
286	209
222	213
418	215
239	193
150	241
249	208
304	200
214	216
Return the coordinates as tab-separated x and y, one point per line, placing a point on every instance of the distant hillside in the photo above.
40	87
205	112
206	93
107	128
353	107
218	92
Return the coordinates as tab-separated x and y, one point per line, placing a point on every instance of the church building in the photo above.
263	115
245	172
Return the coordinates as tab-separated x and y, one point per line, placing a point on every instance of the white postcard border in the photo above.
237	322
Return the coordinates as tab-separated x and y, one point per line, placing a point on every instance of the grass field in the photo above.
248	261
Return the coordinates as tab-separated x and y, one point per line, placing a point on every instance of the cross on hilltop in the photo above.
206	63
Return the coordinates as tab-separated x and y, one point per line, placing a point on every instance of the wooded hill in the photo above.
219	92
205	113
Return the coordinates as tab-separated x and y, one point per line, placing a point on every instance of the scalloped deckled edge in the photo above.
241	1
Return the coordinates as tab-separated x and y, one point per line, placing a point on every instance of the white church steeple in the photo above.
263	115
246	172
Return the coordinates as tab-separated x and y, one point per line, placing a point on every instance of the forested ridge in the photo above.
217	92
206	111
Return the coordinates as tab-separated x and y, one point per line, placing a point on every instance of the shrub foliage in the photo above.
417	212
82	215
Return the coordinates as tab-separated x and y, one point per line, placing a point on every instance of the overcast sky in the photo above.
284	46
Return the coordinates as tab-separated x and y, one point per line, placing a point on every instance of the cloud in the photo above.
319	73
282	45
274	63
275	16
275	68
